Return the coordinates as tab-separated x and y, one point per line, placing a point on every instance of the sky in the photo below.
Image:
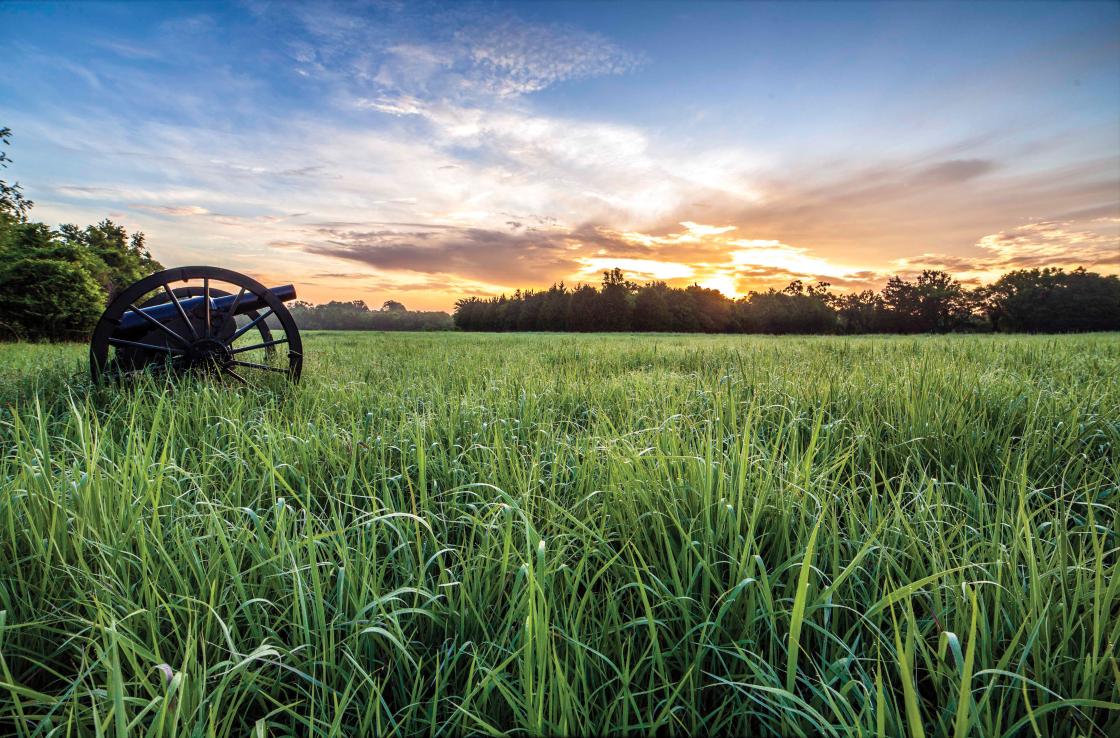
425	152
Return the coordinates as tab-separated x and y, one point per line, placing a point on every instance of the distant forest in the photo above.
357	316
1028	300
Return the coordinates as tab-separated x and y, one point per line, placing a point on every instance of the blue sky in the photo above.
422	152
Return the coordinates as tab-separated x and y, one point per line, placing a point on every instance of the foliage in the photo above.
1051	300
356	316
48	299
793	310
54	284
13	204
620	305
933	302
118	259
569	535
392	306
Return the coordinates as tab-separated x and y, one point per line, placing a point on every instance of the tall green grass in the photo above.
570	535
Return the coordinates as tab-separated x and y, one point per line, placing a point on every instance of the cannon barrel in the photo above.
132	322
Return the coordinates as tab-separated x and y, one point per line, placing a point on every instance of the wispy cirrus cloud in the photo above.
485	54
178	211
517	58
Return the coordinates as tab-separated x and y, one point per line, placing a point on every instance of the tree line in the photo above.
357	316
1026	300
54	283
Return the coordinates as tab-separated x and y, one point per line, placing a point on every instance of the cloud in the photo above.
501	197
860	208
791	259
398	105
375	282
954	171
637	269
392	53
490	256
854	281
84	192
517	58
178	211
1046	243
128	51
536	257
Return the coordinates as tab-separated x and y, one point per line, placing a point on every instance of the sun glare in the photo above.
776	255
725	283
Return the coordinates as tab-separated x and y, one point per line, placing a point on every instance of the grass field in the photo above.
450	533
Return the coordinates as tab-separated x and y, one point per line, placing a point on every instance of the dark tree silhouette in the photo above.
583	309
711	309
860	312
1052	300
933	302
392	306
651	308
794	309
614	305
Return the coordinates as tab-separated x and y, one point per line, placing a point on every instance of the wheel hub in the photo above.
209	353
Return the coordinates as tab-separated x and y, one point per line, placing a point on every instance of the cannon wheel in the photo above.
202	342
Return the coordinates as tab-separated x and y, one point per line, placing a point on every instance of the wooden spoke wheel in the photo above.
200	320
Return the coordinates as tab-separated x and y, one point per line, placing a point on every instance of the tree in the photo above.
47	299
355	315
794	309
1047	300
614	306
531	304
123	260
860	312
583	309
510	312
392	306
711	308
682	310
467	313
13	205
935	302
651	308
554	310
1052	300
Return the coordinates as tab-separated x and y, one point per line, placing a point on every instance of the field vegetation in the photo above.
445	534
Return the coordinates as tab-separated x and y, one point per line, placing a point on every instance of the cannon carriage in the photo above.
202	320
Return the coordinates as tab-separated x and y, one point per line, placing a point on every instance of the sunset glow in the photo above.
394	152
643	268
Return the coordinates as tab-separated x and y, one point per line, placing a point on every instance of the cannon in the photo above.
200	320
